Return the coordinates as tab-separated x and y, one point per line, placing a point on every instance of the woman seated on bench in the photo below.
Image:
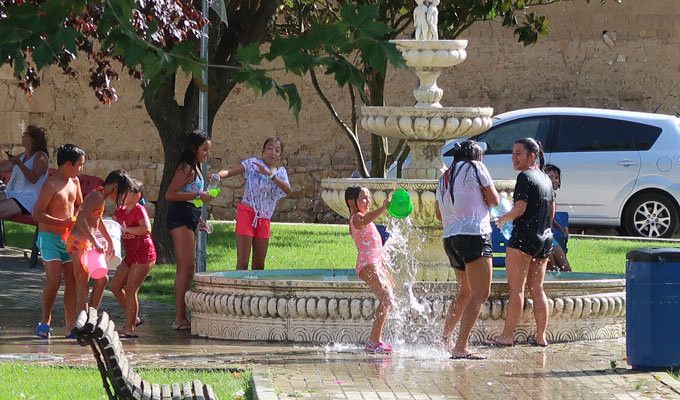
29	171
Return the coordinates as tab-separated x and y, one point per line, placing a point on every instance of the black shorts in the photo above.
23	209
463	249
183	213
537	246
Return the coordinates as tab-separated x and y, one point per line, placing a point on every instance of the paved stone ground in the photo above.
583	370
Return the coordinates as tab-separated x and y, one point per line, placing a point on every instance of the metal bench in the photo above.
120	381
87	184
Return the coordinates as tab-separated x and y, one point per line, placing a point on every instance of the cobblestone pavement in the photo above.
581	370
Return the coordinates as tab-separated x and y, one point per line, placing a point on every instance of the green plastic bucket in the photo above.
401	205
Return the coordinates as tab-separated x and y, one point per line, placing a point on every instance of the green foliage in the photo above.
149	41
349	40
325	44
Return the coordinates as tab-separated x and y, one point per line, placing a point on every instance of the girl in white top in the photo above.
266	182
29	171
464	194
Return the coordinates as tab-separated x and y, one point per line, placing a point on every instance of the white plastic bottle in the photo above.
503	207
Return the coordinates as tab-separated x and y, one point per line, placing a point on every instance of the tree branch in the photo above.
339	121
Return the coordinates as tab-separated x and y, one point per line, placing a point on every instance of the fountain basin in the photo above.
425	54
431	124
320	306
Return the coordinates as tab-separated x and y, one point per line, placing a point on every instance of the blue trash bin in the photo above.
653	308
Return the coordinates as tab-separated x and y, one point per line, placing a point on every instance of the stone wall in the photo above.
610	56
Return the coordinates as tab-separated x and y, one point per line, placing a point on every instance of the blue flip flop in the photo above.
43	331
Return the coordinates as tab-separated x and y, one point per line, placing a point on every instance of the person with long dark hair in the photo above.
184	215
531	242
464	194
29	172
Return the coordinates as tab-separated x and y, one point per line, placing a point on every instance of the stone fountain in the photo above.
426	127
324	305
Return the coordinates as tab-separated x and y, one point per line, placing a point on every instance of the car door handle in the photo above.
626	163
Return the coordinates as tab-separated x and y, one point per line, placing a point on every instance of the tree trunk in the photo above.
376	90
248	23
168	117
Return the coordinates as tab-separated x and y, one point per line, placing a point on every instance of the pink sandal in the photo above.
378	348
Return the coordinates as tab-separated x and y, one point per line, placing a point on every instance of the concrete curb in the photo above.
630	238
263	388
668	380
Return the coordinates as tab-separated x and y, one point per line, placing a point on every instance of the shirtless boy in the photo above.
55	210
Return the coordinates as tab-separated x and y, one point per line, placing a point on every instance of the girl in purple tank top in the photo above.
370	264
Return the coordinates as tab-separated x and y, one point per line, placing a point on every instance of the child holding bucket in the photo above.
370	264
140	256
89	239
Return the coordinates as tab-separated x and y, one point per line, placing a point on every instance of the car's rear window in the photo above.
646	136
586	133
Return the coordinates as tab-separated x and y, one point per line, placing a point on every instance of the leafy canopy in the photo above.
152	39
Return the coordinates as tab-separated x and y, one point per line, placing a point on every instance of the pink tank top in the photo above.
369	244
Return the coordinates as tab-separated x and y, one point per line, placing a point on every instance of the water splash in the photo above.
412	318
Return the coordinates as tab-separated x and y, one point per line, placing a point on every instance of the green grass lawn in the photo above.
307	246
41	382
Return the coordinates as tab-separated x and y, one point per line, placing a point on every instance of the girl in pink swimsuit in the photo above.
370	265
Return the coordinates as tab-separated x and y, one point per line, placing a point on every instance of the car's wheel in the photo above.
650	215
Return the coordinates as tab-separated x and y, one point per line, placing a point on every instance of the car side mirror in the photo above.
484	146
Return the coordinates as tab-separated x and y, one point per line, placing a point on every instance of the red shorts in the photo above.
138	250
244	223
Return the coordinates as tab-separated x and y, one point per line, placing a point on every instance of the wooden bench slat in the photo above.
91	320
146	390
155	391
130	380
198	390
124	369
187	391
114	347
82	319
166	392
209	393
176	392
109	336
102	325
137	384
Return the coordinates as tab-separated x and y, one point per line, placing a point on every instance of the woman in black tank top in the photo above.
531	242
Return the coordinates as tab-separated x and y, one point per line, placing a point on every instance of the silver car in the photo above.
619	168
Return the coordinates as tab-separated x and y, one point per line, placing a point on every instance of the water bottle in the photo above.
503	207
214	185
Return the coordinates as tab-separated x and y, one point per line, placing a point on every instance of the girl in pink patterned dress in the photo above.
370	265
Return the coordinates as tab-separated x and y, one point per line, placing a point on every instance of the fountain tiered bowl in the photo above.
432	53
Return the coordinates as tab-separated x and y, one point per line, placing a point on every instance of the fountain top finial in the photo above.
425	18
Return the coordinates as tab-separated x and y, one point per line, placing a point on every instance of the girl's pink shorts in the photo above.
244	223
